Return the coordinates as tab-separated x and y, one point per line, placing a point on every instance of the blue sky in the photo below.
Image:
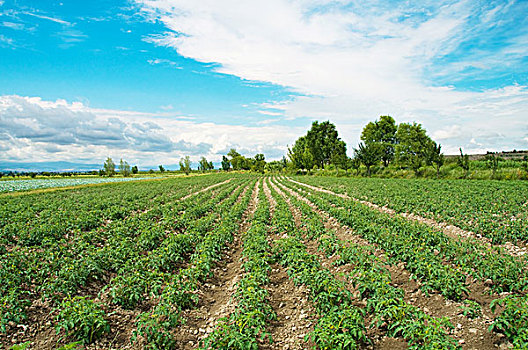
154	80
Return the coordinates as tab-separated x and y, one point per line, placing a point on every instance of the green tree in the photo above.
492	162
237	160
161	169
204	165
324	144
301	155
412	146
135	169
124	168
260	163
368	154
109	167
355	163
226	164
436	157
463	162
383	133
185	165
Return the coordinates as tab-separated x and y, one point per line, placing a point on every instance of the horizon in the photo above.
151	81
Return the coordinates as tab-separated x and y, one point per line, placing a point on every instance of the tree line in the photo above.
384	144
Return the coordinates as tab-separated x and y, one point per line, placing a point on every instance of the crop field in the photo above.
34	184
240	261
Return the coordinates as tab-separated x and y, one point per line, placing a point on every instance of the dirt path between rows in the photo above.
471	334
449	230
290	302
216	296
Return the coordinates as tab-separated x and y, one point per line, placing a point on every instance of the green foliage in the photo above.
82	319
109	167
204	165
412	146
368	154
124	168
161	168
471	309
463	162
185	165
513	321
135	169
382	133
226	164
22	346
319	147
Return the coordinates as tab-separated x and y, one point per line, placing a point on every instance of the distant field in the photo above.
24	185
242	261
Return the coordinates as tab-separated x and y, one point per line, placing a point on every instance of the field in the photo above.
266	262
34	184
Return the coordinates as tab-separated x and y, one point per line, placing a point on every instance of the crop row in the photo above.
494	209
246	327
373	280
59	268
180	290
340	322
429	249
507	273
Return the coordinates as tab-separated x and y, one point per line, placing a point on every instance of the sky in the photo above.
151	81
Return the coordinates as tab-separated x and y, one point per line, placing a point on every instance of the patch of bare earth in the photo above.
449	230
470	333
290	303
216	295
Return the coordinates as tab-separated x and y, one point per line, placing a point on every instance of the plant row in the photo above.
340	323
246	327
494	209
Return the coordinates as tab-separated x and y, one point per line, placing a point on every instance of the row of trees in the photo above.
382	143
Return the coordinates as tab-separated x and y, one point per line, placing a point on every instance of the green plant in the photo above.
471	309
82	319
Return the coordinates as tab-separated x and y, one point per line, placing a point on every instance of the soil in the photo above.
471	334
290	303
216	295
451	231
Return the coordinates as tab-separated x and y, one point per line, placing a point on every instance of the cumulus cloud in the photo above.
354	61
32	129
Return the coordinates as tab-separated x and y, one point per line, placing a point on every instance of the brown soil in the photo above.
39	326
471	334
290	303
216	295
449	230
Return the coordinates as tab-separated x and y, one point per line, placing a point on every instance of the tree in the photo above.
323	143
226	164
463	162
412	146
135	169
237	160
301	155
383	133
355	163
436	157
260	162
492	162
204	165
124	168
161	169
109	167
185	165
368	154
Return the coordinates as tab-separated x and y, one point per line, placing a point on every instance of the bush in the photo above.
82	319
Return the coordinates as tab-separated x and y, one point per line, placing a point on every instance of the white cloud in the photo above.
53	19
33	129
352	63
